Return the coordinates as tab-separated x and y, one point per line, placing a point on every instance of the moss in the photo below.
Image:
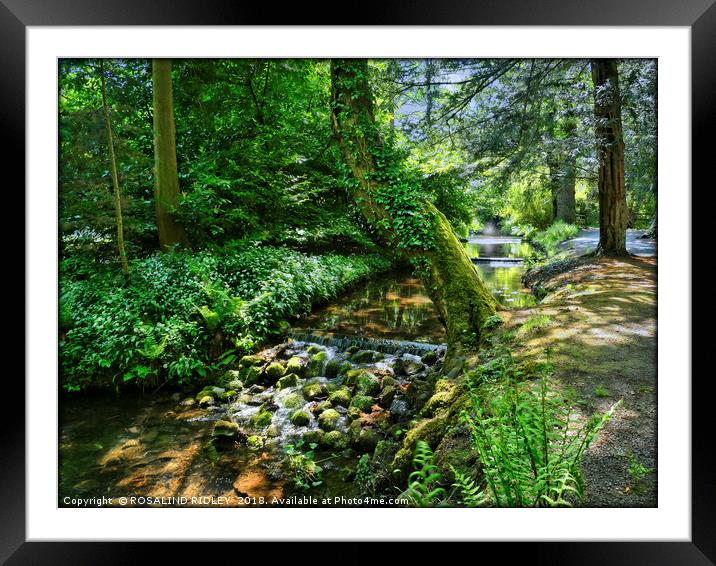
313	436
206	401
313	390
328	420
313	349
341	397
344	368
295	365
315	366
444	395
352	375
368	384
332	368
386	396
300	418
366	357
335	439
252	374
362	403
274	371
460	296
262	419
292	401
322	406
429	358
255	442
248	361
288	380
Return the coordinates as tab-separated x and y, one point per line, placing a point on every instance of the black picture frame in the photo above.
699	15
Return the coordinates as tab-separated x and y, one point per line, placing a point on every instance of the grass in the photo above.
602	392
535	322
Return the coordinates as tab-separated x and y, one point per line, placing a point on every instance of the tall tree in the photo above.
113	169
389	202
166	178
613	213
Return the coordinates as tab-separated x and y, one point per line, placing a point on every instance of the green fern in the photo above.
529	446
424	489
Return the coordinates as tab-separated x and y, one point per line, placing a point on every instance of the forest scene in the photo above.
357	283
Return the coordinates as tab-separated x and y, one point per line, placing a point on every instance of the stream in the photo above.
357	370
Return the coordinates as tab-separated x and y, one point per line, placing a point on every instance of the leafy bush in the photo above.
164	322
555	235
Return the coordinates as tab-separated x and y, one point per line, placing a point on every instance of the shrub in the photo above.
163	323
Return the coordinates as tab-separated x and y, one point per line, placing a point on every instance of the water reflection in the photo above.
504	279
396	307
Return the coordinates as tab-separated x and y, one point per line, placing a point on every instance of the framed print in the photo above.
391	281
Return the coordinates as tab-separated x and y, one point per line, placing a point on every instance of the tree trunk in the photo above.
563	198
610	154
115	180
166	178
461	299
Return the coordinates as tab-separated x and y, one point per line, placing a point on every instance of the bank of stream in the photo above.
308	416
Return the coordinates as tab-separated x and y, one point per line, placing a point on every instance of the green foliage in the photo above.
535	322
637	470
301	463
166	319
555	235
529	443
424	482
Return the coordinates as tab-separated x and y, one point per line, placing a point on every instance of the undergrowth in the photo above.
182	311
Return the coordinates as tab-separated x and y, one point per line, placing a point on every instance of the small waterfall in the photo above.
342	343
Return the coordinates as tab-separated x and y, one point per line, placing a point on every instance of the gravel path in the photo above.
602	336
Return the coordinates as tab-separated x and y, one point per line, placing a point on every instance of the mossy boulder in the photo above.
255	442
341	397
389	381
344	368
206	401
352	376
227	430
288	380
362	402
367	439
366	357
328	420
248	361
292	401
429	358
332	368
312	436
228	395
443	395
274	371
367	384
262	419
386	396
295	365
207	391
251	375
335	439
300	418
322	406
314	390
315	366
235	385
188	402
313	349
352	414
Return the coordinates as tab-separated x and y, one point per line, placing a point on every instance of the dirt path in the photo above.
599	322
